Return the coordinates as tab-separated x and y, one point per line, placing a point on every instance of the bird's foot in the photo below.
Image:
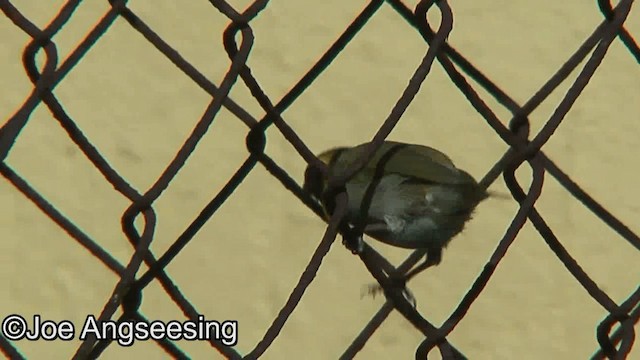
353	242
375	289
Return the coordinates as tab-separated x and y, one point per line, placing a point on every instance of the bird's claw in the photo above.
375	289
354	243
372	290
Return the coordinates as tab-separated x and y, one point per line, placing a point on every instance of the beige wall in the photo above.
137	109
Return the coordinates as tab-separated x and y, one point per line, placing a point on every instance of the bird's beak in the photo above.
313	182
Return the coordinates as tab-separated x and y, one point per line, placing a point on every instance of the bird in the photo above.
407	195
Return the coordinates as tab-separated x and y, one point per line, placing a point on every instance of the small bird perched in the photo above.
407	195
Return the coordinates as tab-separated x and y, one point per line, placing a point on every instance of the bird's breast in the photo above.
407	214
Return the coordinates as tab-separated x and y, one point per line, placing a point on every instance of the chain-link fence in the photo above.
238	41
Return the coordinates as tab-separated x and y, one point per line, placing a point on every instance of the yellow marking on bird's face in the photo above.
326	156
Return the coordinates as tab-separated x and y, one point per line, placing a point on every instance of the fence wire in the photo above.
523	147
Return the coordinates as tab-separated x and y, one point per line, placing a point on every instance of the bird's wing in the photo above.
418	161
427	164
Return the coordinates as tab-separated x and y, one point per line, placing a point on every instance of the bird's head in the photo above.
314	181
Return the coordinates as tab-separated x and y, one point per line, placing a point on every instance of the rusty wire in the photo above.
523	148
